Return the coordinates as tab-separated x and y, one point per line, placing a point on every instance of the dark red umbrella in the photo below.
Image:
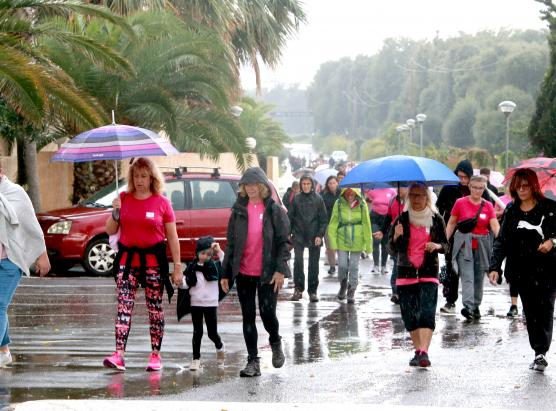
545	168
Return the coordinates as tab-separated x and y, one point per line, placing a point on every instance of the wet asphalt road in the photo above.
62	327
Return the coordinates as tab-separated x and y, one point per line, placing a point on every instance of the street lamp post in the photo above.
421	119
411	124
507	107
400	129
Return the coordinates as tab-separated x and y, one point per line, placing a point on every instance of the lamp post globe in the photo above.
507	107
421	119
251	143
236	111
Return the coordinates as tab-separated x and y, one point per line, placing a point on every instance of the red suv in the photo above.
202	203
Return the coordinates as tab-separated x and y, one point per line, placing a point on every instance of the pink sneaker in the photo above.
155	363
115	361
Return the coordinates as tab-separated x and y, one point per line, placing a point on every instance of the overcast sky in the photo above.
338	28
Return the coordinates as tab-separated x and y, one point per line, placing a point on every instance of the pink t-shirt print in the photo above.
252	258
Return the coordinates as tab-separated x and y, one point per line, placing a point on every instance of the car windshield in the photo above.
104	197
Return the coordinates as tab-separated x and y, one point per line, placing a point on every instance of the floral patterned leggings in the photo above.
127	289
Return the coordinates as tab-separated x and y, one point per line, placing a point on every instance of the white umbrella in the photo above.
323	174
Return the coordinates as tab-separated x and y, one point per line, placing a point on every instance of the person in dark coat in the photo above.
445	202
287	199
527	241
308	220
257	259
416	238
330	195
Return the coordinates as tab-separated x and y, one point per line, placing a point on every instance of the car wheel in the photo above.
99	257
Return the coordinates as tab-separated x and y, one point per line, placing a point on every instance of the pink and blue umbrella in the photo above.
114	142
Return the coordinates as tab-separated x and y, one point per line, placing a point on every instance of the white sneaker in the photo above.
221	353
195	365
5	358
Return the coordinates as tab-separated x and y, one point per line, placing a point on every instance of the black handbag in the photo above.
467	225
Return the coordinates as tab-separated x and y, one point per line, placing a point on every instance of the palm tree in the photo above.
255	29
182	86
268	133
40	93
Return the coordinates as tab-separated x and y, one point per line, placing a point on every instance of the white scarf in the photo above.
421	218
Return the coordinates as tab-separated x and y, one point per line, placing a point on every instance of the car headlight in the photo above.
62	227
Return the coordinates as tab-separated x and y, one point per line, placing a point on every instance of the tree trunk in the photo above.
91	176
31	169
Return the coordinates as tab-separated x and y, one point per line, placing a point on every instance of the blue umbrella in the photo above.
399	170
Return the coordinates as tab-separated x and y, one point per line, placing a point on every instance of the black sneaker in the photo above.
466	312
252	369
414	362
424	360
331	270
395	299
477	314
539	364
512	312
278	357
313	297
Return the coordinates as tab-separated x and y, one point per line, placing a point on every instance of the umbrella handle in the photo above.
116	211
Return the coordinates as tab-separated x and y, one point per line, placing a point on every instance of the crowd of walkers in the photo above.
407	225
411	228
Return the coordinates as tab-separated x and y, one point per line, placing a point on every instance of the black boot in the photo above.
252	369
278	357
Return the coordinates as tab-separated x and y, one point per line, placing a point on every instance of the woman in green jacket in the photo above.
350	233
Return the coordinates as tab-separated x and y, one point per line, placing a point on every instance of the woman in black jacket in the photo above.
416	238
330	194
526	240
257	259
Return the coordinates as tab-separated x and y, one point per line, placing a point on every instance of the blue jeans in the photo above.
10	274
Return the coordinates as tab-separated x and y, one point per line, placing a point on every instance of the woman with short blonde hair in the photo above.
143	163
146	222
472	243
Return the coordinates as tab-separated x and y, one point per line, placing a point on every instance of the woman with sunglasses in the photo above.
527	242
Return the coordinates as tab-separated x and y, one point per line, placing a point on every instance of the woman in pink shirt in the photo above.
471	251
416	238
257	259
145	219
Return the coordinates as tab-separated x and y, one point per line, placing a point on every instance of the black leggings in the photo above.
538	307
247	287
380	253
210	314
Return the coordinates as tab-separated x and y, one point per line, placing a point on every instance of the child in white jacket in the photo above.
202	276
